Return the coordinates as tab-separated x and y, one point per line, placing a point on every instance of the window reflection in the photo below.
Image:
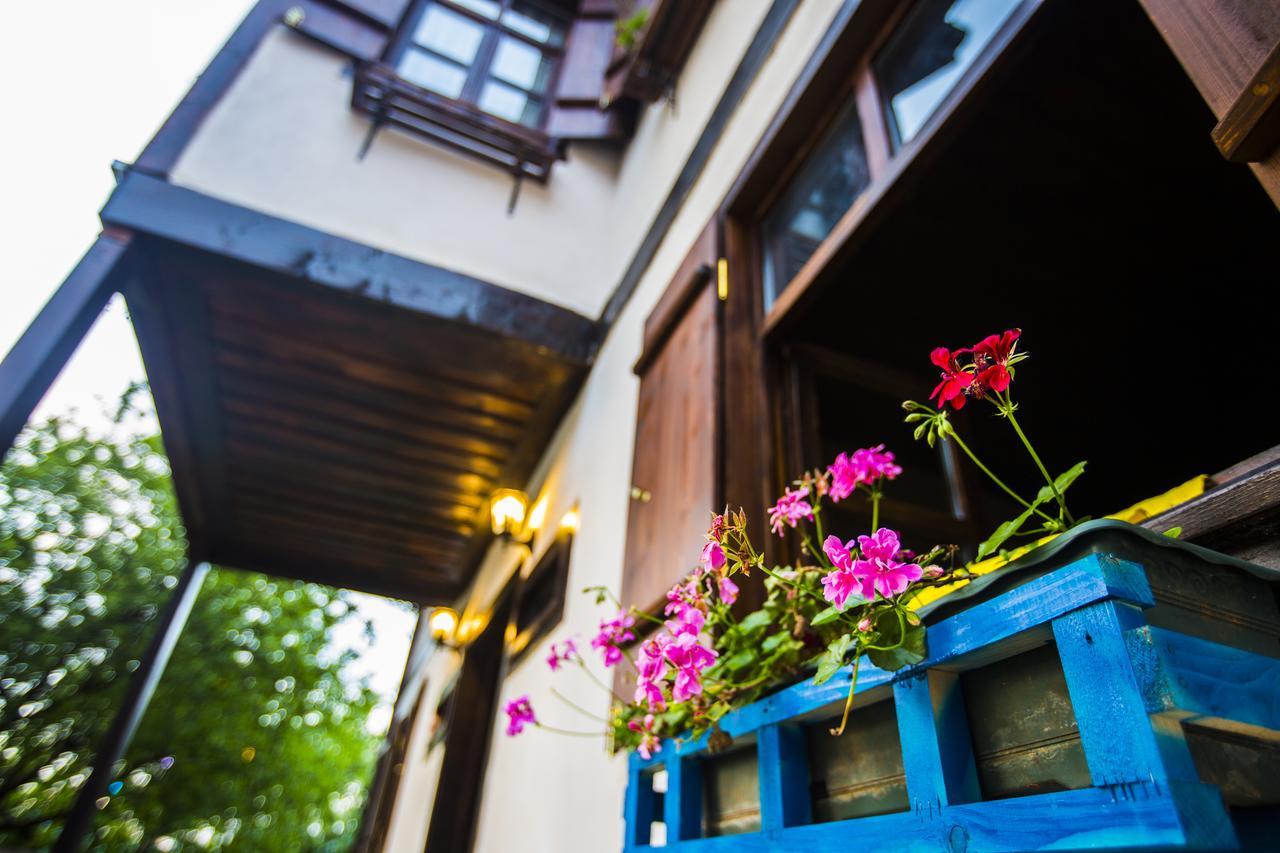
925	58
824	187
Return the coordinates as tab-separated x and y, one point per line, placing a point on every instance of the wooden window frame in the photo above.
552	565
459	123
757	454
481	66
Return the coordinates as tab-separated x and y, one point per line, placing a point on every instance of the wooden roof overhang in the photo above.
332	412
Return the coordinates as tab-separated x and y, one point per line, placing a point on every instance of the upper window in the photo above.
499	55
927	55
823	188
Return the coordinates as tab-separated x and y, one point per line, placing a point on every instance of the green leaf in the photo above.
755	621
1173	532
774	640
829	615
911	651
1003	532
1064	480
833	658
741	659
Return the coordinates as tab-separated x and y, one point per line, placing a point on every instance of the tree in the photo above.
255	737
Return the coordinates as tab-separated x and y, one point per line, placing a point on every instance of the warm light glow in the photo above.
443	622
537	515
570	521
507	509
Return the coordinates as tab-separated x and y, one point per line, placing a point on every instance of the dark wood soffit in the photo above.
153	206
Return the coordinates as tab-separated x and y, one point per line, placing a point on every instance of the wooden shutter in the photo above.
674	473
1231	51
576	111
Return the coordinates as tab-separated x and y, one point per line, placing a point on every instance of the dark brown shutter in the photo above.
674	471
576	111
360	29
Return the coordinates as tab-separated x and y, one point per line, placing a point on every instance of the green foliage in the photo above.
1014	526
626	32
253	734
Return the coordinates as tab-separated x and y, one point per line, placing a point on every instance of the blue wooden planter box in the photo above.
1132	685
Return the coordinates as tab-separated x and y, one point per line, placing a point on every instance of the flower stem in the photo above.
1035	457
794	585
575	706
958	440
853	687
567	732
599	683
875	511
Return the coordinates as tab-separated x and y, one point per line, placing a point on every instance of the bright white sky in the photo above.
83	83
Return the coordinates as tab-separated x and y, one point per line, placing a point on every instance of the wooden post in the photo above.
784	777
40	354
682	805
79	821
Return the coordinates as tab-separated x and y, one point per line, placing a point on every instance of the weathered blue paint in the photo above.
1130	684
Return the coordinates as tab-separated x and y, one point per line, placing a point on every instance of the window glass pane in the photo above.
824	187
487	8
503	101
449	34
432	73
534	23
925	58
521	64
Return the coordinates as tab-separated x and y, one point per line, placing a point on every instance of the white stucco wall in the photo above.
284	141
550	794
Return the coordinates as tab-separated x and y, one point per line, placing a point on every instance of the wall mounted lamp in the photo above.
508	509
443	625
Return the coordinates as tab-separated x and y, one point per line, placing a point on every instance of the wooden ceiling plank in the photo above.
337	453
258	390
399	379
382	444
438	410
251	502
366	504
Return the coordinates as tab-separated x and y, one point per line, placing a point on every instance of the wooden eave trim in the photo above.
1250	130
1248	496
184	216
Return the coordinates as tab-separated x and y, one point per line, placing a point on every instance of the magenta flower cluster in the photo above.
649	740
614	634
868	566
519	714
865	467
790	510
561	653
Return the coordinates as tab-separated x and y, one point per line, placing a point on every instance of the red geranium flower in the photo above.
991	357
955	381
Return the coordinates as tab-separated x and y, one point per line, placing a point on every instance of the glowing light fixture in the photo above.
443	622
507	510
537	515
571	520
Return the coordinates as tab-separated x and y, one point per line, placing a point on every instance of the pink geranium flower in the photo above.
728	590
651	667
790	509
519	714
690	658
862	467
713	556
880	570
839	585
613	633
649	741
955	380
562	653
